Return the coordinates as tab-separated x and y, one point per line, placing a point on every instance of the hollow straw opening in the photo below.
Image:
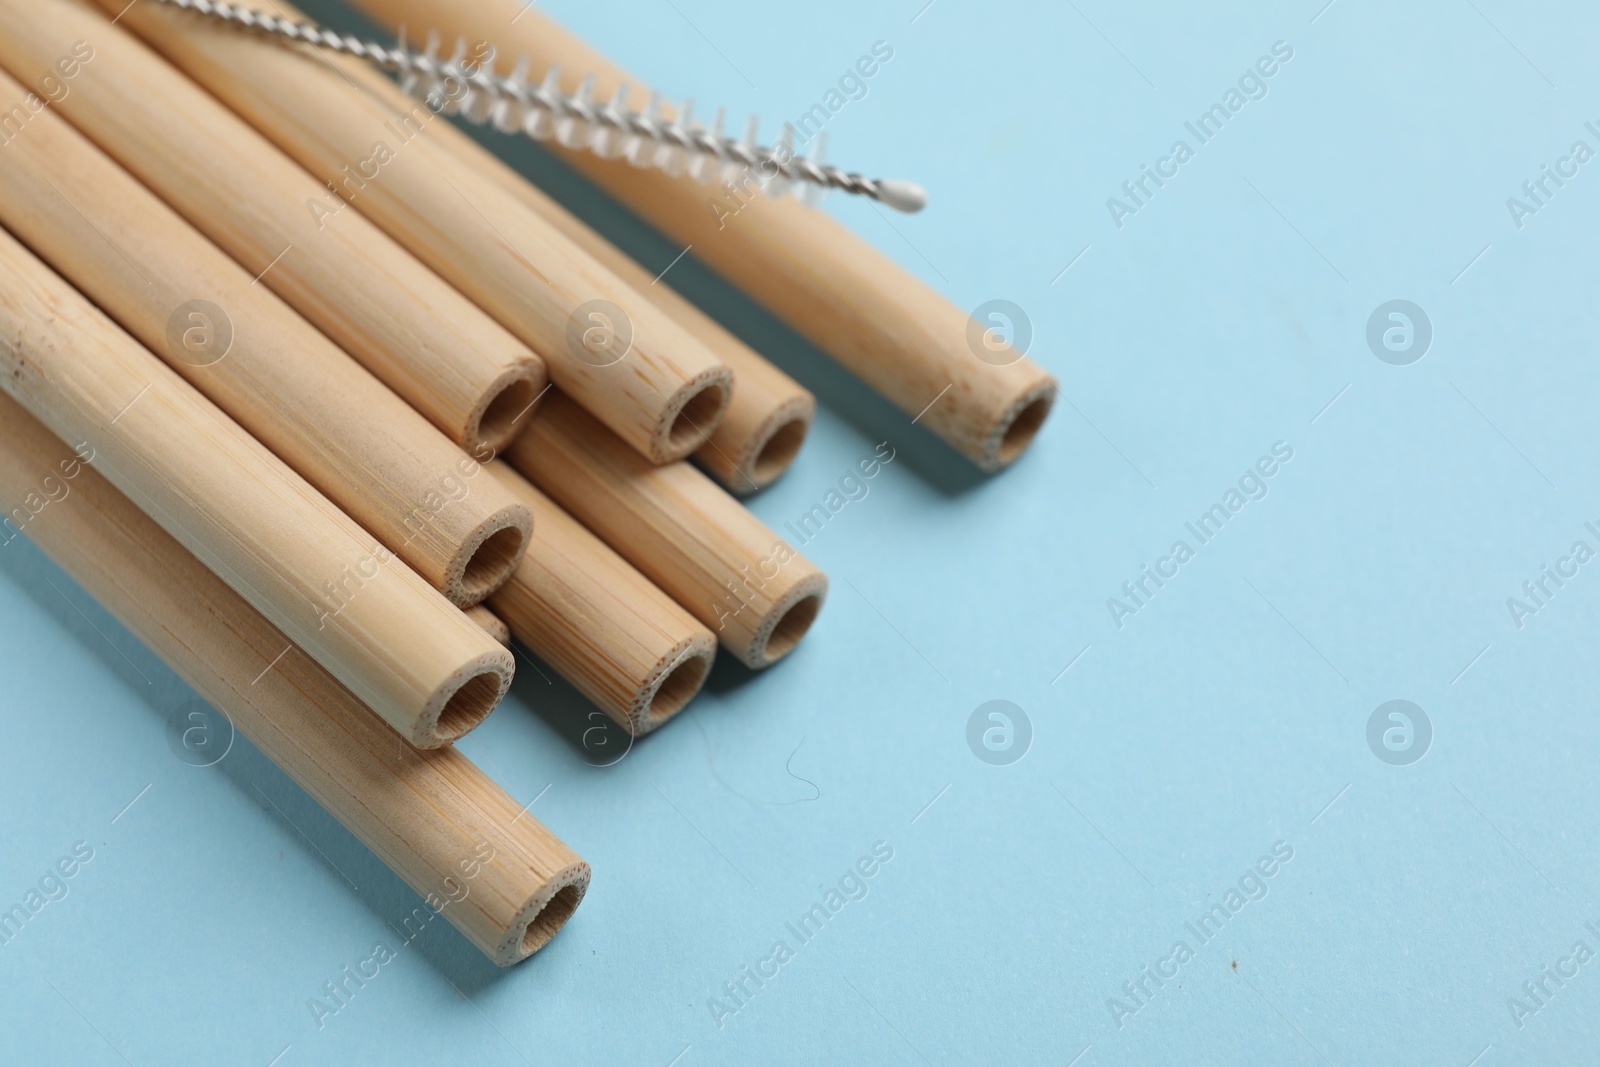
492	562
543	926
499	422
792	626
676	689
779	451
695	419
1022	429
468	706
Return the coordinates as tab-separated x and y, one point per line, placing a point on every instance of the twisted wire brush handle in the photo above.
576	120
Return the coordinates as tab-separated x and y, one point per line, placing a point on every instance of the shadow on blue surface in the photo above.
322	839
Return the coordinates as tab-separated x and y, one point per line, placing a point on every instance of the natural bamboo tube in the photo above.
293	389
399	645
433	817
769	413
898	335
490	623
663	394
602	625
677	526
427	342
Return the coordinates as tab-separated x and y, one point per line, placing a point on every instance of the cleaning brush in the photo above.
469	87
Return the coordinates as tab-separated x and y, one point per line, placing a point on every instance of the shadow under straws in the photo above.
589	732
320	838
728	674
841	392
352	866
55	594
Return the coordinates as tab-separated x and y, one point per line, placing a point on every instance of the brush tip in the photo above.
902	196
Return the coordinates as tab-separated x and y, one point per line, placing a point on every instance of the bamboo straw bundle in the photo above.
499	876
317	409
619	640
692	539
899	336
460	369
309	103
647	378
639	680
640	564
361	613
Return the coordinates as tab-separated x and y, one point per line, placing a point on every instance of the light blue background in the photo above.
1224	717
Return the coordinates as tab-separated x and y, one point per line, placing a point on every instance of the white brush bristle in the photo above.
467	85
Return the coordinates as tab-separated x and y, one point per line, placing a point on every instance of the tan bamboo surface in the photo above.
906	341
427	342
688	536
440	823
358	610
663	396
769	413
490	623
320	411
602	625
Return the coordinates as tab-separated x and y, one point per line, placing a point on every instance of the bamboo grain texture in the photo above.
679	528
475	856
464	372
317	409
663	395
490	623
897	334
376	625
604	627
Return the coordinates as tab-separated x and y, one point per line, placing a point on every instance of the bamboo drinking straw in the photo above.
701	546
898	335
292	388
440	823
403	649
490	623
619	355
769	413
602	625
427	342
